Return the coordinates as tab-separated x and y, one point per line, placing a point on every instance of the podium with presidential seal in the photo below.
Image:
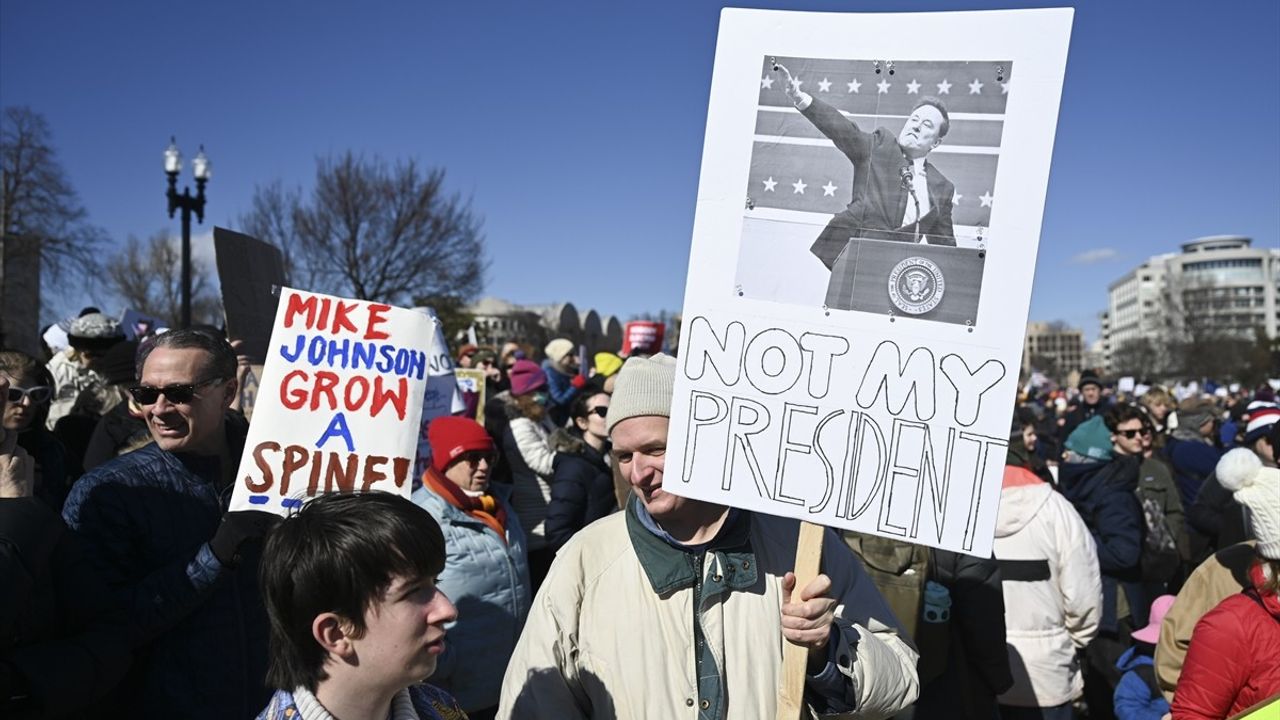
930	282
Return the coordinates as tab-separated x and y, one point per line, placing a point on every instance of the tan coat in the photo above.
601	643
1224	574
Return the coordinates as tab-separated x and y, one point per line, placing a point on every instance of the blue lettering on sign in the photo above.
346	354
338	427
291	502
258	499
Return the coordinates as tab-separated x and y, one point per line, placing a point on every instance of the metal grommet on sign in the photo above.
704	704
999	73
688	702
876	63
889	64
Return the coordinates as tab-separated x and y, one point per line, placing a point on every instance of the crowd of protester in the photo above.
538	569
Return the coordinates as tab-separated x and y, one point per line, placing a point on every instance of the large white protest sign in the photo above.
339	402
868	216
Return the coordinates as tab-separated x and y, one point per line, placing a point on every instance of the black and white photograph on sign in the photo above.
871	185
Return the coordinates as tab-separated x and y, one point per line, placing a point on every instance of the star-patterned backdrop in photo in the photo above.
794	168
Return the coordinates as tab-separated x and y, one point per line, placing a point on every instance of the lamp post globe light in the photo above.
201	170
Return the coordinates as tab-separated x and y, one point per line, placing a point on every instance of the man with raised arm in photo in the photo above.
897	193
678	608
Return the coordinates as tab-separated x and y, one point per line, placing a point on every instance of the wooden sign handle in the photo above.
795	658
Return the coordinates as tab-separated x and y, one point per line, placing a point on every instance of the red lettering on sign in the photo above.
377	316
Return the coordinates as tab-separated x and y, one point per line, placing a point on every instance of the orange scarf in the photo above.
484	508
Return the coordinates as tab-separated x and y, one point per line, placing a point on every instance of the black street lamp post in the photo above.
188	203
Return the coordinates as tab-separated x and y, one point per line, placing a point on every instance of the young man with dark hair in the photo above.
357	622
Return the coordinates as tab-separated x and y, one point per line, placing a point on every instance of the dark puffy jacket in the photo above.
1104	495
977	658
52	481
581	489
1216	518
59	634
198	628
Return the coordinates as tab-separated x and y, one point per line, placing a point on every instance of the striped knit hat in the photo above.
1259	416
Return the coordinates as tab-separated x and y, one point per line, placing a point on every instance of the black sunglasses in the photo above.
1131	434
601	410
177	394
474	457
38	394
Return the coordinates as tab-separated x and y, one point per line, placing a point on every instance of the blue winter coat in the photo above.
1193	462
1104	495
560	388
488	581
1134	698
198	628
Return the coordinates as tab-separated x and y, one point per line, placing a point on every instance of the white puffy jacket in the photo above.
1052	590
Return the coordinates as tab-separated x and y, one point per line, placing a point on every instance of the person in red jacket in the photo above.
1234	659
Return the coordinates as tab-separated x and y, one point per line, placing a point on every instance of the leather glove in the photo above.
238	527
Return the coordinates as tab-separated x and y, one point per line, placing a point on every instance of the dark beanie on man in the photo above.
1089	377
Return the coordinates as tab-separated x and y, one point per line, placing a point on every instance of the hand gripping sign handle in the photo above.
795	658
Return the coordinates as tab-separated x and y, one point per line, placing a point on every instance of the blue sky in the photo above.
577	128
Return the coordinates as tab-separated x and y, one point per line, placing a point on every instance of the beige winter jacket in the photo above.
1223	574
602	643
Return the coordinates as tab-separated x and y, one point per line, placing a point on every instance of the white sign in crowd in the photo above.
853	330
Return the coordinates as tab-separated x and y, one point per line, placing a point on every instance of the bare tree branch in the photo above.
373	231
148	277
37	201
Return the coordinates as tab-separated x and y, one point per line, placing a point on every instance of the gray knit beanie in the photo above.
644	387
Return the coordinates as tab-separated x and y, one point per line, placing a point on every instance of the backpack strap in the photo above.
1147	673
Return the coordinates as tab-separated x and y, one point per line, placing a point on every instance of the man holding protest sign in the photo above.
155	526
648	566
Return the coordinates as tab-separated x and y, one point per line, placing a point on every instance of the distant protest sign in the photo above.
441	395
642	337
339	402
250	272
853	330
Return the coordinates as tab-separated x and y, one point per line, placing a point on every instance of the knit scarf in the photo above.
484	508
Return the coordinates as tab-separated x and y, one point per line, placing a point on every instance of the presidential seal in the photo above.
916	285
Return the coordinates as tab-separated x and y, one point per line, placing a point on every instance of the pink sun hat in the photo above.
1159	608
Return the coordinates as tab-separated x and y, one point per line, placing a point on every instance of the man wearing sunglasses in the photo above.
156	526
1132	431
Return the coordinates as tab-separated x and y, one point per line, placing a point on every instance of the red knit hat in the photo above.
451	436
